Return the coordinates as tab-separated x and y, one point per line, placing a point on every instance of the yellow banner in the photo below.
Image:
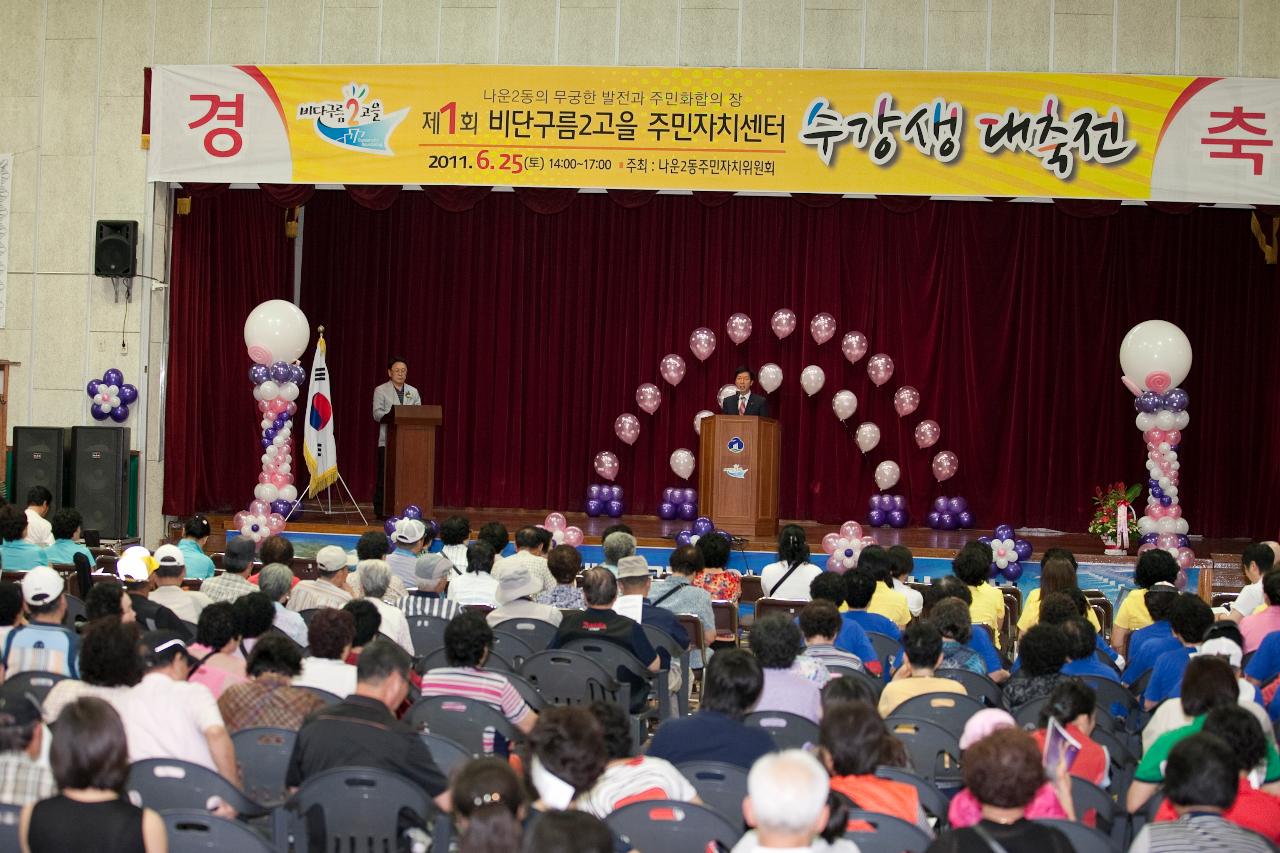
885	132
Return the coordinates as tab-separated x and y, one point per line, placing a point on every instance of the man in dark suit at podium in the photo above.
744	402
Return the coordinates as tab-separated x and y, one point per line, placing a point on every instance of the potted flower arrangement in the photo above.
1113	506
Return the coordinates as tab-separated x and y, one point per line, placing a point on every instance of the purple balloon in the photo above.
92	387
985	540
595	507
1157	492
669	495
99	415
280	506
266	442
1004	531
1147	401
666	510
280	372
1176	399
113	377
947	521
965	519
1184	541
412	511
390	524
1176	448
269	433
1149	538
876	518
690	496
932	519
897	518
297	375
688	511
702	526
684	537
897	502
994	571
615	493
614	508
259	373
726	534
1022	548
1013	571
1165	500
941	505
957	505
593	492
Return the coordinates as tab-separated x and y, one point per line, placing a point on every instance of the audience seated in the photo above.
108	598
789	577
517	586
39	531
1189	618
530	555
329	589
903	564
24	777
65	525
820	624
731	685
630	778
17	554
488	807
496	535
374	577
564	563
859	590
467	640
276	582
679	594
1003	773
171	571
1202	782
1147	644
1043	653
568	758
109	666
167	716
1082	642
788	685
951	617
368	619
195	535
980	640
1223	640
885	599
1057	574
1074	705
1256	627
568	832
786	803
430	599
477	586
923	646
854	742
1153	567
237	565
42	644
1255	562
218	661
90	760
972	565
616	544
268	698
11	609
839	691
255	616
454	531
362	730
279	549
851	639
331	632
634	585
720	582
412	560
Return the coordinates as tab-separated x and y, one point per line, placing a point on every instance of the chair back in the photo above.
196	831
446	753
513	647
70	578
880	833
1113	696
976	685
438	659
616	660
726	613
527	691
1082	837
789	731
303	569
167	783
308	614
263	755
680	658
462	720
934	802
694	628
934	751
875	684
786	606
721	786
35	682
672	827
427	632
535	633
329	698
887	650
949	710
1027	715
752	589
566	677
76	612
1087	796
9	816
355	808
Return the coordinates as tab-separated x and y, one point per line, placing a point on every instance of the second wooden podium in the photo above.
738	474
410	475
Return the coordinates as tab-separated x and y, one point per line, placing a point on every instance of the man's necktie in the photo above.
742	405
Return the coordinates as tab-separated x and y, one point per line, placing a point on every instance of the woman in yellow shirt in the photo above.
1153	567
1057	574
886	600
972	565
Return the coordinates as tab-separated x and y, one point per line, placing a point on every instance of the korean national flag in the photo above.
319	448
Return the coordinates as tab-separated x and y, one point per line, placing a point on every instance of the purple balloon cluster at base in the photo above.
415	512
888	511
603	499
702	526
950	514
1020	552
678	502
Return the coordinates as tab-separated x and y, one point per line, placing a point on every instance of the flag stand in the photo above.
327	493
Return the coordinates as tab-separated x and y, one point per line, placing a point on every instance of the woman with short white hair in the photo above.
375	576
786	804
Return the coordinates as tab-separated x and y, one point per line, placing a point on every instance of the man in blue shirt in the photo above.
1264	666
66	530
1189	618
1082	645
43	644
1147	644
17	555
829	586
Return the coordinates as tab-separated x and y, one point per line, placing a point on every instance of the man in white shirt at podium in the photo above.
744	402
386	396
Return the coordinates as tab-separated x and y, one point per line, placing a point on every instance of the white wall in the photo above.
71	106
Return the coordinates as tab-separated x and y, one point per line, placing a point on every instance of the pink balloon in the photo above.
851	530
606	464
264	477
702	342
868	541
275	522
945	465
906	400
822	327
854	346
257	507
1175	512
1145	547
279	480
648	397
1186	558
783	322
834	564
1156	511
927	433
738	327
1167	540
672	368
572	536
239	519
829	542
880	368
627	428
263	406
292	408
555	521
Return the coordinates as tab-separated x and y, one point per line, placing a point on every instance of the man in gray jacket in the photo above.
386	396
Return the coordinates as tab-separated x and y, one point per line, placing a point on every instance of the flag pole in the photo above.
315	454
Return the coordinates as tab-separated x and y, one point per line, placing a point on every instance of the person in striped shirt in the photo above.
630	778
820	623
466	646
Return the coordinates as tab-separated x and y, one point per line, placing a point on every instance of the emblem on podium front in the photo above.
737	472
736	445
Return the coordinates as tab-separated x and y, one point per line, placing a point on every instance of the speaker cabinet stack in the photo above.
99	478
37	461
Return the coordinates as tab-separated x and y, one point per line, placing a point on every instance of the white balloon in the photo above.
1175	466
257	392
268	390
1181	419
105	409
887	474
260	491
276	330
286	468
1173	552
289	391
1182	527
725	391
1145	421
844	404
867	436
247	530
113	390
1146	524
1172	491
1166	525
1165	482
770	377
812	379
1155	355
1166	420
265	459
278	441
272	450
697	420
289	493
682	463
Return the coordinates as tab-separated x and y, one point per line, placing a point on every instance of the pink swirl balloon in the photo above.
945	465
854	346
606	464
906	400
648	397
783	322
738	328
880	368
927	434
627	427
822	327
672	369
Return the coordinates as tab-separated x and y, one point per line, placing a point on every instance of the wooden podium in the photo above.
738	474
410	475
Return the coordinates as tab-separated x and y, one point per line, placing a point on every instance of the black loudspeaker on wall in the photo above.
37	461
115	249
100	478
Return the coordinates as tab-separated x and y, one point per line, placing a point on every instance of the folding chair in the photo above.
565	677
1123	761
862	675
789	731
352	808
167	783
1111	820
879	833
949	710
329	698
195	831
447	754
721	786
76	612
660	639
977	686
934	751
618	660
726	613
9	826
1082	837
438	659
535	633
263	755
672	827
887	649
513	647
36	682
462	720
934	802
527	691
788	607
427	632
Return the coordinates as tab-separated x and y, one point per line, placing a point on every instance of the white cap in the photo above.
408	531
331	559
516	583
170	555
41	585
1222	647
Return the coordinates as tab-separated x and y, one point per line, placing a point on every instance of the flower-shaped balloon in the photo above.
110	396
1003	552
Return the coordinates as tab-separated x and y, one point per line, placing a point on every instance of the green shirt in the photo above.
64	551
1151	768
20	556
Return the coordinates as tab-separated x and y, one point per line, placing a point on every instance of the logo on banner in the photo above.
736	445
737	472
356	123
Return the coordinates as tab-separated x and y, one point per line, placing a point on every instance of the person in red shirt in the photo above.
1072	704
1253	809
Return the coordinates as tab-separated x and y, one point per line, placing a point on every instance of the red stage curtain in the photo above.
533	331
229	254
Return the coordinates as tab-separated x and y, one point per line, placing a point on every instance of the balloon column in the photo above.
844	548
603	499
276	334
890	510
562	532
1156	358
1007	552
950	514
110	396
678	502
